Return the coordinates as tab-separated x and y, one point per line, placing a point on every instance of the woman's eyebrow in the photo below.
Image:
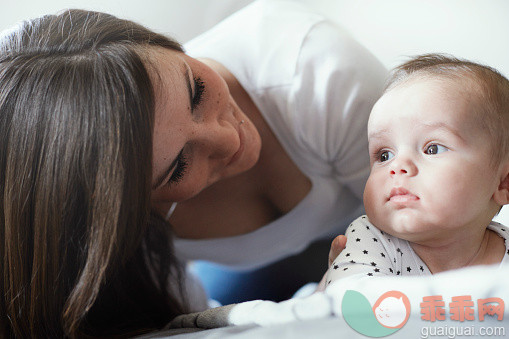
165	174
188	83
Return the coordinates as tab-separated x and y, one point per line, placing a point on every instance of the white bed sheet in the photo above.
479	282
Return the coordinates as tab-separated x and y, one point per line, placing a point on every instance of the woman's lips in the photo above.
402	195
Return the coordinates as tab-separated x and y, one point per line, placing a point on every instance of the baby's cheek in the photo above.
370	200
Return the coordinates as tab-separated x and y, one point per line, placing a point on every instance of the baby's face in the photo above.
431	173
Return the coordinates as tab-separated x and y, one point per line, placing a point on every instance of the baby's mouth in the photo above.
401	195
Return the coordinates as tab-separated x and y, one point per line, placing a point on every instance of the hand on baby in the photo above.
337	245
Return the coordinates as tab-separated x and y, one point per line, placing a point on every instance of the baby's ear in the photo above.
501	195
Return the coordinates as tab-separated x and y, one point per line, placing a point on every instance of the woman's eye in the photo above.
180	169
199	89
385	155
435	149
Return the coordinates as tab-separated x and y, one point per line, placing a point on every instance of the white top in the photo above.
372	252
315	86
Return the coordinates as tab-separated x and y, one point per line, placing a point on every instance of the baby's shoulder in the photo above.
499	228
363	226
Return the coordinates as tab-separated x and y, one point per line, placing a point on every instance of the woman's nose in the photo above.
218	138
403	166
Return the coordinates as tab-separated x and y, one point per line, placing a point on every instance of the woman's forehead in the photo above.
166	68
169	74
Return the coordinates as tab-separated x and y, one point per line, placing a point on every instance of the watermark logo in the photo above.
461	308
389	313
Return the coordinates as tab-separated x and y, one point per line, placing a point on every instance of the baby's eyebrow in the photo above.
439	125
378	134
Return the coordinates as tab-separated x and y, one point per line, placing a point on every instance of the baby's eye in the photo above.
385	155
435	149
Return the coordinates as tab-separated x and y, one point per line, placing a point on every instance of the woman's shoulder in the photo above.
260	43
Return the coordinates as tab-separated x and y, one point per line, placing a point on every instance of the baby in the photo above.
439	174
439	151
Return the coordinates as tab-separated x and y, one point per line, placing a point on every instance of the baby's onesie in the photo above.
373	252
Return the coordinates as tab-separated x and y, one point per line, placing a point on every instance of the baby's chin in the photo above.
403	226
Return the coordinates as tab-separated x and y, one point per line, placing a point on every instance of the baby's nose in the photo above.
403	166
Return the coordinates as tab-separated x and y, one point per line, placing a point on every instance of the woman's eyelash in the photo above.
199	88
180	169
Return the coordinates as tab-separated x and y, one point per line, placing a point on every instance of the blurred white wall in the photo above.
181	19
391	29
395	29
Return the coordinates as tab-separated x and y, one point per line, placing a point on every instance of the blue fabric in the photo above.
276	282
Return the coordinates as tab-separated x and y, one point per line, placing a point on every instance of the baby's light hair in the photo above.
489	85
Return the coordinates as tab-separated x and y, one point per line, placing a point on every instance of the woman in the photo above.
300	91
103	121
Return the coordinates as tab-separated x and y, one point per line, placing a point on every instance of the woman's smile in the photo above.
240	150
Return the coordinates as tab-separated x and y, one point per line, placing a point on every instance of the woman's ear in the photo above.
501	195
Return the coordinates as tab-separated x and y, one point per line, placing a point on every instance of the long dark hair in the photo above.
81	253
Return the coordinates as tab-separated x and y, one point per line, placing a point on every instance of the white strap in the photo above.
170	211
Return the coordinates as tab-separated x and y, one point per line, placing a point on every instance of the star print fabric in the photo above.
372	252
